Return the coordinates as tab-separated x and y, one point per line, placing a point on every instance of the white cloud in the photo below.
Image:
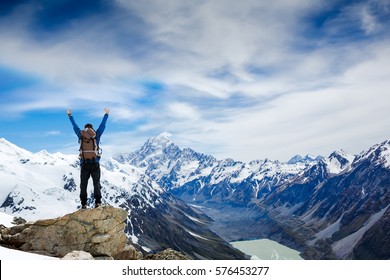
124	114
178	110
239	78
53	133
64	62
351	113
205	36
369	23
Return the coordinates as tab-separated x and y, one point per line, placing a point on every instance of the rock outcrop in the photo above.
167	254
129	253
83	235
98	231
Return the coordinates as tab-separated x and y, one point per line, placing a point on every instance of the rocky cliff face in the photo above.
99	231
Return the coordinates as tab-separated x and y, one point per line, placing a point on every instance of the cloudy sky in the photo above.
244	79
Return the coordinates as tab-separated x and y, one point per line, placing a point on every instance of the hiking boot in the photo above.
83	207
98	205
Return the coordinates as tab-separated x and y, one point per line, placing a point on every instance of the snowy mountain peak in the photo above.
11	150
339	161
378	154
6	144
164	136
342	154
310	157
307	159
156	145
161	140
295	159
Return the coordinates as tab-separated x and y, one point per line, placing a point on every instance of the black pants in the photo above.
88	170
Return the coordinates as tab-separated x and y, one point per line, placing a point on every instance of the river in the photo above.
266	249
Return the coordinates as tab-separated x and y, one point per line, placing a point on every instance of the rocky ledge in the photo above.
83	235
98	231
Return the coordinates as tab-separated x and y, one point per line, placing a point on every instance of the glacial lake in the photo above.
265	249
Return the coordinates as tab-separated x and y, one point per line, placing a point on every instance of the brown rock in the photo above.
168	254
99	231
129	253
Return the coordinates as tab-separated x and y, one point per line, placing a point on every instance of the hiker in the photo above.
89	157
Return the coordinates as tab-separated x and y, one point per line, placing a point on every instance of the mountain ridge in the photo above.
317	205
287	202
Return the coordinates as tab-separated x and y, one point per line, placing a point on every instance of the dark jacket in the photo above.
99	131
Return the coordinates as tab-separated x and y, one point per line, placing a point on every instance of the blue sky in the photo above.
243	79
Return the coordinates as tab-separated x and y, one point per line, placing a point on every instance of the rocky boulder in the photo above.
129	253
78	255
98	231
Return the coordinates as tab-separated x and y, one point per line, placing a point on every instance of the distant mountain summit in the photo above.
166	163
378	154
306	159
339	161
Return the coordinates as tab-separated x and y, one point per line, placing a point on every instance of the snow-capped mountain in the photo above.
198	178
168	164
378	154
343	215
339	161
201	179
43	185
324	206
306	159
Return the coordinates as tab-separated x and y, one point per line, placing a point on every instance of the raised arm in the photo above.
102	125
75	126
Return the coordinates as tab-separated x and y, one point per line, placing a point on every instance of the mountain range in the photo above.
326	207
334	207
43	185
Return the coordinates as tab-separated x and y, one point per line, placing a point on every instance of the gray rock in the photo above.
78	255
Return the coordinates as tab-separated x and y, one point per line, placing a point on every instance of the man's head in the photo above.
88	125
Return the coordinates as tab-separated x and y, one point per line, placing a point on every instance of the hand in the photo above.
69	112
106	110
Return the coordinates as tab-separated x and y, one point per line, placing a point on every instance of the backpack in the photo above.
88	147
